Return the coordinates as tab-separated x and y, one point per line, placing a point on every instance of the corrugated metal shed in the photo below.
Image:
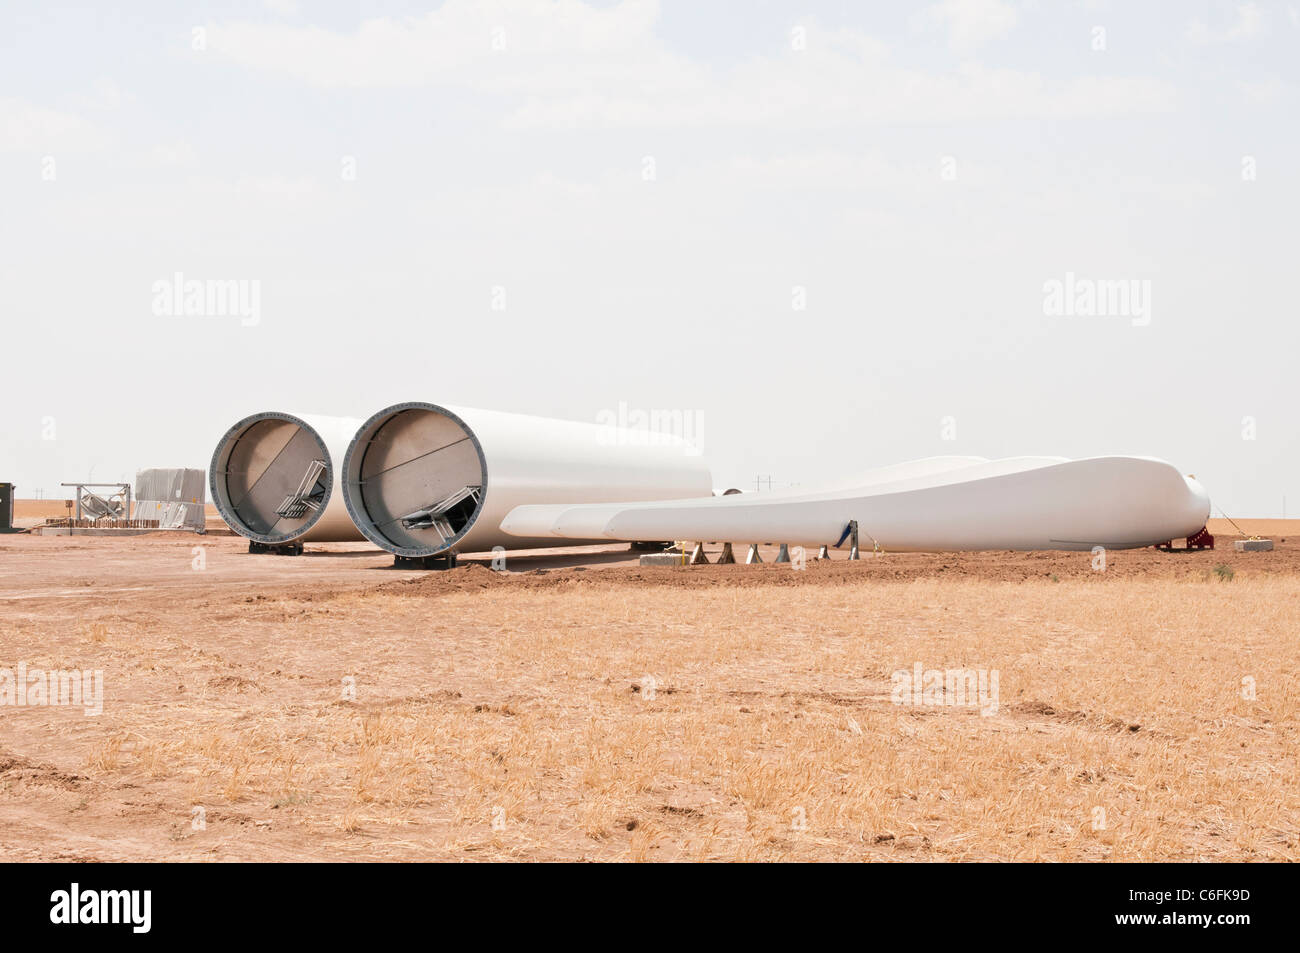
174	497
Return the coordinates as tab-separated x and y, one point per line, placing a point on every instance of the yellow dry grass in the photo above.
1138	719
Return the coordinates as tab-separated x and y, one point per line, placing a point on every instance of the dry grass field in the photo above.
329	708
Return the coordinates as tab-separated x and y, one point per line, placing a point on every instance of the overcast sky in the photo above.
827	231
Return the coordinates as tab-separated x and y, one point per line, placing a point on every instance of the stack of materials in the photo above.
175	498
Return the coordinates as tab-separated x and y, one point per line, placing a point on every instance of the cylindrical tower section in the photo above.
421	479
275	478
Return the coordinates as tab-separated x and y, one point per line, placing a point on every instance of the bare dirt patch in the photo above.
330	707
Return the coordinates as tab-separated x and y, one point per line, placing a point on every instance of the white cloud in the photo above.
1247	22
279	186
843	93
972	23
26	127
567	65
502	45
1264	93
102	94
172	153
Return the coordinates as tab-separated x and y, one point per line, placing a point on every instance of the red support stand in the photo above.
1201	539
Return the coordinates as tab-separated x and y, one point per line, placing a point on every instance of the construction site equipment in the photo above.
100	524
93	506
7	508
174	497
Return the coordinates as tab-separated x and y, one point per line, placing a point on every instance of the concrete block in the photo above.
1253	545
662	559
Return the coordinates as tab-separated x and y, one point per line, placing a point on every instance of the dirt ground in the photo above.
329	707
